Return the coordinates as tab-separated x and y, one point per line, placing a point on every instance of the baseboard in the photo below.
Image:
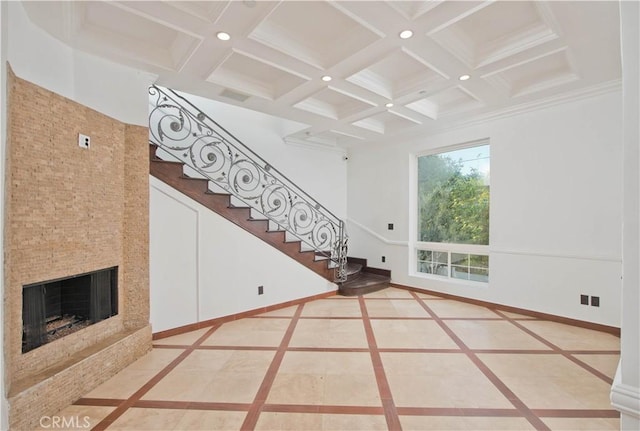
219	320
552	317
625	398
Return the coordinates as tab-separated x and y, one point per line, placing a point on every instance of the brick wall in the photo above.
70	211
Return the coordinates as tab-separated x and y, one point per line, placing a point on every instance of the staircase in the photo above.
195	155
171	173
362	279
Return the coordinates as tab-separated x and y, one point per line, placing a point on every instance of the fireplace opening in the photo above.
56	308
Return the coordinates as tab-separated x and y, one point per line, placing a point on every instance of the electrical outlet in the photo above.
584	299
84	141
390	226
384	259
595	301
260	290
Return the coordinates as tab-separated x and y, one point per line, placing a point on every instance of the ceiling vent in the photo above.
234	95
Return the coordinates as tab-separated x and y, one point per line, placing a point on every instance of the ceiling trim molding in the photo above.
584	93
296	142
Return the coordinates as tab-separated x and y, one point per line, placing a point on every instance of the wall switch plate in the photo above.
595	301
260	290
384	259
390	226
584	299
84	141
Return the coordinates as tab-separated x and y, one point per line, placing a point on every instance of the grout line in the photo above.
124	406
390	410
170	346
526	412
357	410
192	405
458	411
251	419
577	413
322	409
567	355
101	402
221	347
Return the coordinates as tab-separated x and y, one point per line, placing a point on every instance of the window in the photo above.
453	214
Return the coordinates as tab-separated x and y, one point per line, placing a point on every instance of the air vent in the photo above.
234	95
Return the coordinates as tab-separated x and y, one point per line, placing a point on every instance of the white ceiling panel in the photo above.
516	53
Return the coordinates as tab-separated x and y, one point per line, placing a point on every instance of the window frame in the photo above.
415	245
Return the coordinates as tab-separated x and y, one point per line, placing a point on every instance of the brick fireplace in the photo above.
72	212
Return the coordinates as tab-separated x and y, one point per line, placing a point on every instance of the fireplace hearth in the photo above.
56	308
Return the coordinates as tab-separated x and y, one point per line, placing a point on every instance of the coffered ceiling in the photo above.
518	54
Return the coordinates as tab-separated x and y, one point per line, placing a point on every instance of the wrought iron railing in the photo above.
193	138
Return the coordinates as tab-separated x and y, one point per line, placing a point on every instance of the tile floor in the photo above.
389	360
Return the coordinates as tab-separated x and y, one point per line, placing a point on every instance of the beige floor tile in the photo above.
390	292
416	380
300	388
249	332
342	378
332	308
137	419
329	333
74	418
411	334
516	315
549	381
606	364
351	390
179	385
442	423
326	363
156	359
231	387
234	376
582	424
282	312
204	420
450	308
490	334
289	421
205	361
353	423
571	337
122	385
187	338
395	308
248	361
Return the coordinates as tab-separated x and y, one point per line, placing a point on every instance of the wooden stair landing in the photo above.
172	173
362	279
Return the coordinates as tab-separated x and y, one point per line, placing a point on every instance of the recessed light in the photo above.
223	36
406	34
389	104
464	77
326	78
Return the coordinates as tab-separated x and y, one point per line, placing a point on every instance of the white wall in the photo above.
203	266
117	91
625	393
555	208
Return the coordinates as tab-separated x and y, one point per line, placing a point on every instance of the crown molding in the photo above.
572	96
